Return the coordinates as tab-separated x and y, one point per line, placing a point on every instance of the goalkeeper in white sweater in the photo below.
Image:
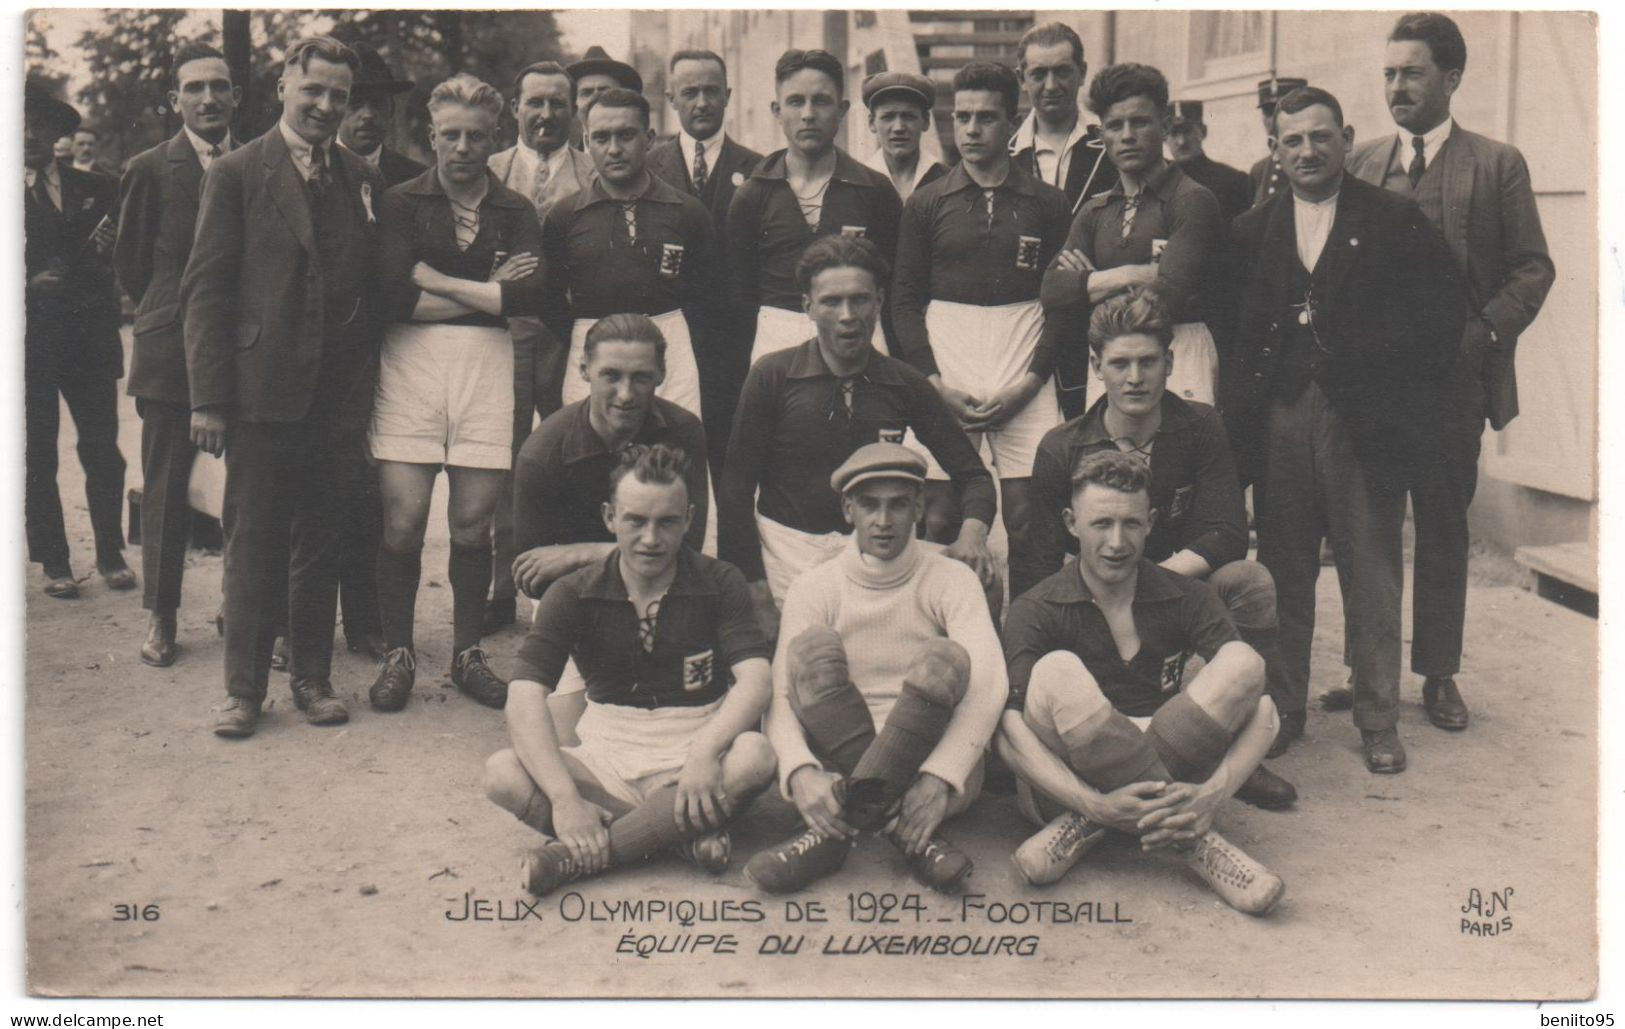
887	635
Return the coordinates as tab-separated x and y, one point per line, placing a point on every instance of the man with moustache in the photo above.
1477	192
1187	133
544	168
372	111
597	72
158	206
1265	178
71	351
1055	145
703	160
970	258
280	345
899	106
1350	312
808	190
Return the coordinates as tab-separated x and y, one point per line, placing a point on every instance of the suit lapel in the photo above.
185	166
1278	250
1456	169
1344	240
287	190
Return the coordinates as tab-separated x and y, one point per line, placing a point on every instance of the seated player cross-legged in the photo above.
1199	522
887	634
1100	729
677	675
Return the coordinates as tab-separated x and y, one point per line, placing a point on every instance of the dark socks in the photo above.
398	576
831	710
470	572
1114	755
935	683
647	829
1187	739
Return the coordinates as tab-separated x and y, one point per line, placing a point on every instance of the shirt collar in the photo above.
1432	140
554	161
202	145
301	150
373	158
607	584
582	441
1026	137
1318	207
876	161
1019	180
1160	185
1176	415
713	148
847	169
657	192
1154	584
427	184
808	363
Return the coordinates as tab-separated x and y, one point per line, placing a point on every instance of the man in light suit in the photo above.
545	168
1477	191
158	203
701	159
281	351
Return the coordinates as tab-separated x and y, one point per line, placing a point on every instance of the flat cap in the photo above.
1186	111
1272	89
878	461
915	88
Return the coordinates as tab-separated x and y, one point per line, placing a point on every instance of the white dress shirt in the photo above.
525	160
203	146
1052	165
1313	220
300	150
1432	140
713	149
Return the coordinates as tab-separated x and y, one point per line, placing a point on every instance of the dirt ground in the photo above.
340	861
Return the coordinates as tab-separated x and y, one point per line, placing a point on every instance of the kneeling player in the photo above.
676	671
1100	729
886	634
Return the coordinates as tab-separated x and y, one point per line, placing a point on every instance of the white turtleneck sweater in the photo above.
883	612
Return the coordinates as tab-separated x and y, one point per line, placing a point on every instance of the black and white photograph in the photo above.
809	503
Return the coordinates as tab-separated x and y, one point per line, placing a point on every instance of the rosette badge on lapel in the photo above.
366	202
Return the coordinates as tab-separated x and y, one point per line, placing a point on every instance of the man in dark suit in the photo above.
281	351
363	132
1477	192
1350	309
1265	178
71	347
158	201
1187	133
366	123
702	160
1056	144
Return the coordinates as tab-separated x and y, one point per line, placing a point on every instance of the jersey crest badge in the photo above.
1173	671
671	260
1027	253
697	670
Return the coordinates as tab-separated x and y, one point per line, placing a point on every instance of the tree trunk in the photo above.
235	39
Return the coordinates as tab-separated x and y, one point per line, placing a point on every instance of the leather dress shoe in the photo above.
315	698
500	612
118	577
471	673
1384	754
393	687
1443	703
158	650
1292	723
237	718
1264	789
60	583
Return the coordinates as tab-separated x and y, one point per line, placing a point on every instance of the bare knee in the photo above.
1061	676
750	763
470	529
507	784
403	531
941	671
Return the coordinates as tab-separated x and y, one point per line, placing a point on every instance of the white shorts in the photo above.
445	396
778	329
632	751
981	350
1196	366
682	383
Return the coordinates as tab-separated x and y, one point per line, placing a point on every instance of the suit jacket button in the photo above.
1265	351
1274	326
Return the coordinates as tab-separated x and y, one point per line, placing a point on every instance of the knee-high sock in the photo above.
469	569
1187	739
398	575
647	829
538	813
935	682
1112	752
831	710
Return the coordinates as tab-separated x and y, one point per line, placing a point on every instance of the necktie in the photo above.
538	188
1419	163
699	171
321	176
